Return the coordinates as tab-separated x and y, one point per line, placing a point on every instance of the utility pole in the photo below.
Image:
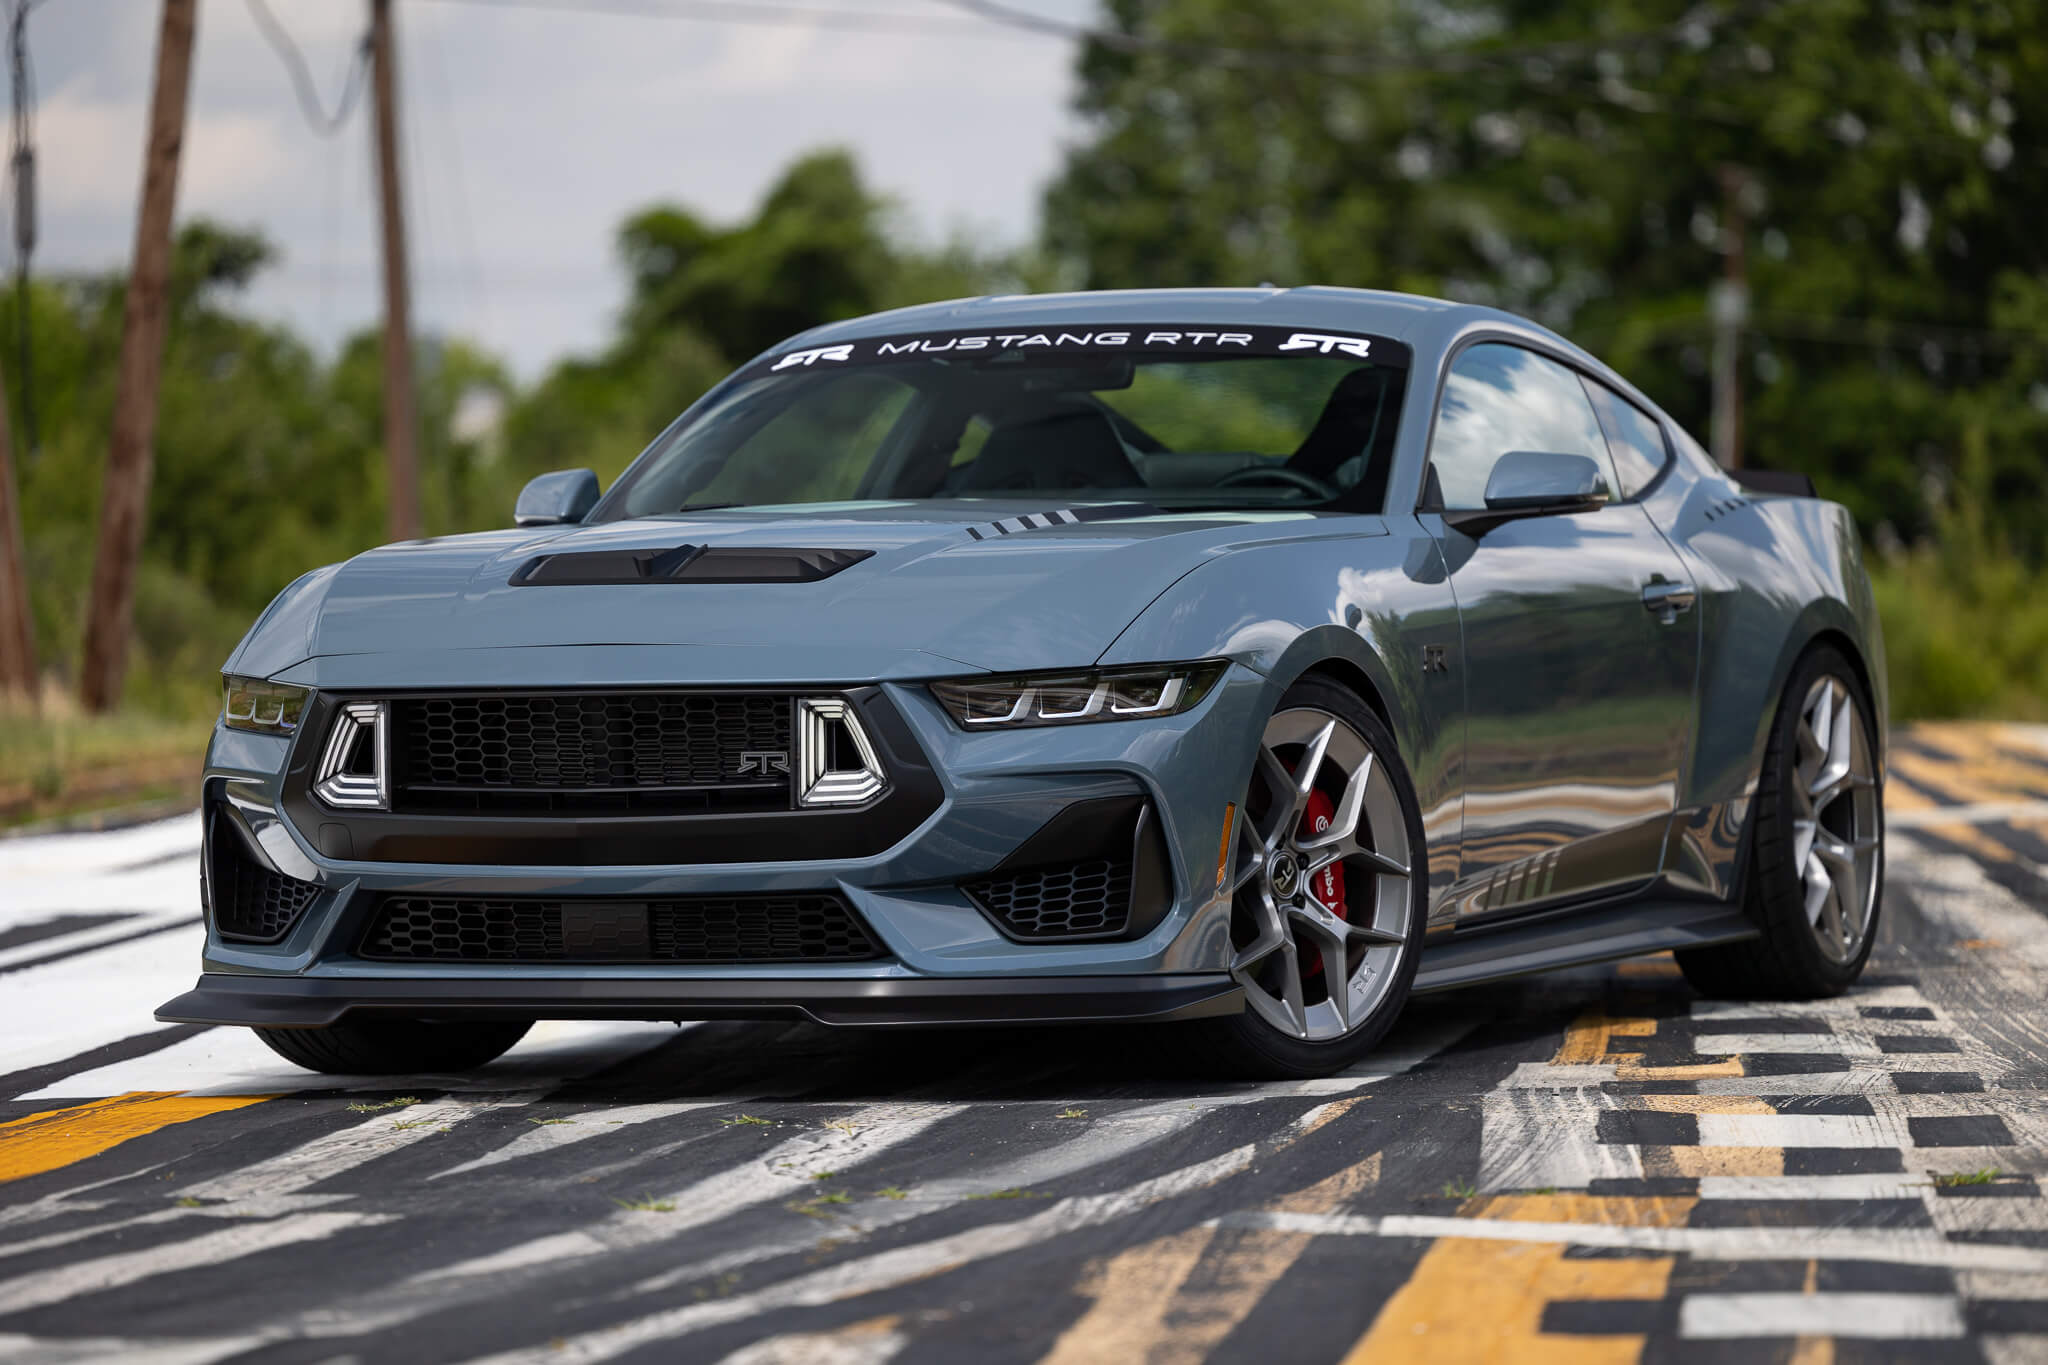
124	502
1728	304
17	628
401	425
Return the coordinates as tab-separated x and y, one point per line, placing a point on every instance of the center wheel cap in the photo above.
1286	874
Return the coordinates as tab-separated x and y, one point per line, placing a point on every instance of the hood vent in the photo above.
685	564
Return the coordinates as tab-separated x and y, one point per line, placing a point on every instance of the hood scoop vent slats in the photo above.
685	564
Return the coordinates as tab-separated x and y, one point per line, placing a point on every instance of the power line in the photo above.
317	117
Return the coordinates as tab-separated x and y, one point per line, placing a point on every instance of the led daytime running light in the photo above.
266	708
1021	700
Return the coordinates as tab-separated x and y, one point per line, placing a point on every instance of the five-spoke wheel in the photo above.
1325	887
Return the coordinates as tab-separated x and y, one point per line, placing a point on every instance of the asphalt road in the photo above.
1595	1166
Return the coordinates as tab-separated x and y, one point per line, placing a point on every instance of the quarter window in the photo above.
1500	398
1634	439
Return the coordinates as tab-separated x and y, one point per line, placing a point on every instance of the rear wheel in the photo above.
1328	888
391	1047
1817	850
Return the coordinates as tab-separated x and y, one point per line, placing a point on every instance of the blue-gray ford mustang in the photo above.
1252	658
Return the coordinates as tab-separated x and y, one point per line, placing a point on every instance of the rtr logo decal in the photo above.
764	761
1323	345
814	355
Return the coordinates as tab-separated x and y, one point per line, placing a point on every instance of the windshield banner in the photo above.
1023	345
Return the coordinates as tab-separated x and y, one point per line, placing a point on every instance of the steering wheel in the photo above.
1308	483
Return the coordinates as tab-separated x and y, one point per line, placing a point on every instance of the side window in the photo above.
1499	398
1633	438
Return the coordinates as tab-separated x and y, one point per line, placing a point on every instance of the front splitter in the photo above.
316	1002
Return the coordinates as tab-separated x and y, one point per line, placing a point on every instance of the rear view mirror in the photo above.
1534	483
562	498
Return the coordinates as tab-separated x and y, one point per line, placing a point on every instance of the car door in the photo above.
1578	649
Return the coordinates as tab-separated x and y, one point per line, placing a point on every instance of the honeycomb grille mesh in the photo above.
587	744
251	903
704	929
1086	899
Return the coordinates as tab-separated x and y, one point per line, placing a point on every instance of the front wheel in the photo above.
394	1047
1328	878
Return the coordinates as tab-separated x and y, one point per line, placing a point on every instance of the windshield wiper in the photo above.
709	506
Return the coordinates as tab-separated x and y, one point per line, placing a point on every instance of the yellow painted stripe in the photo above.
1472	1302
1589	1036
44	1142
1172	1300
1692	1162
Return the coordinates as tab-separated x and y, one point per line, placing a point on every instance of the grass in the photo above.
892	1192
58	763
1460	1188
188	1202
366	1107
549	1123
1957	1179
745	1120
404	1125
1012	1193
818	1205
647	1203
1071	1114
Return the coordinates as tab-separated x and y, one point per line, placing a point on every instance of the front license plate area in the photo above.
604	929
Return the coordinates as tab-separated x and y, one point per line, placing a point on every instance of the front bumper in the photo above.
942	959
314	1002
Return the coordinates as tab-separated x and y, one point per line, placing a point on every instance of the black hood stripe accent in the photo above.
1066	516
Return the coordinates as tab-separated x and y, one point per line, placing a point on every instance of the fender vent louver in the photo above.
685	564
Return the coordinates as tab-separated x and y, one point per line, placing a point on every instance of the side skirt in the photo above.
1574	940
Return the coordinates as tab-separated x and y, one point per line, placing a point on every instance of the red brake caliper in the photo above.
1327	887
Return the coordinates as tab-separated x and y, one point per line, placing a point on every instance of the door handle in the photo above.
1667	600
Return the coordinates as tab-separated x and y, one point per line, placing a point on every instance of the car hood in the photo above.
943	585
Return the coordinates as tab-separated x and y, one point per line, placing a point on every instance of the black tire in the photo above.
1785	961
395	1047
1245	1044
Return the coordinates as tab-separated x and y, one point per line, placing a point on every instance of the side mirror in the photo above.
1534	483
562	498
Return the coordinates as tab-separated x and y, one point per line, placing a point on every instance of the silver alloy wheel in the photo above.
1835	819
1277	920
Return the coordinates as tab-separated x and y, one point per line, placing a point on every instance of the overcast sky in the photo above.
530	133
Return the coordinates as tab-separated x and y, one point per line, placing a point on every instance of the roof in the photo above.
1404	317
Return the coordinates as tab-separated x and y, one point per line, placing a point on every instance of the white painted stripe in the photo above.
847	1346
1533	1139
330	1154
1815	1186
783	1171
62	1350
1803	1130
574	1128
887	1269
1898	1246
213	1248
1838	1007
1883	1317
1982	813
1734	1044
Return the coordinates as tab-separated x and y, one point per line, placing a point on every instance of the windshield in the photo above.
1258	417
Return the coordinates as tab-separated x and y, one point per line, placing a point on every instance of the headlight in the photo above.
268	708
1077	698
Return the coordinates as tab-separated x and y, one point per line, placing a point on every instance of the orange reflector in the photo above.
1223	851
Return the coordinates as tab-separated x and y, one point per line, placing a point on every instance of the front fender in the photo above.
1361	606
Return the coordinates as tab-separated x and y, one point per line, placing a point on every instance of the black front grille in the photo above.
593	753
251	903
1086	899
805	927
